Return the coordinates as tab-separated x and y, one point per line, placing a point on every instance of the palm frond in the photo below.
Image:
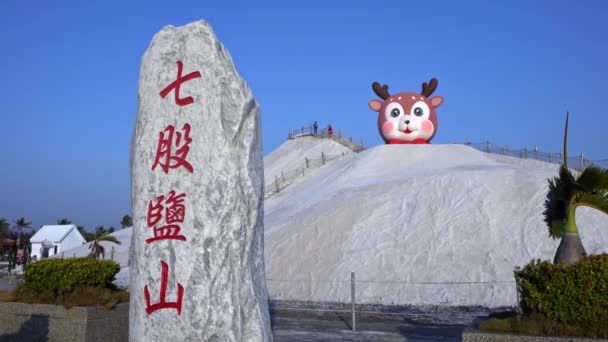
561	189
598	200
109	238
566	142
557	229
592	179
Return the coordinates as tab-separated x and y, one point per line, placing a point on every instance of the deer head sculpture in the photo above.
408	117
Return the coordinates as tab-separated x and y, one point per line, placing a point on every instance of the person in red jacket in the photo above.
330	131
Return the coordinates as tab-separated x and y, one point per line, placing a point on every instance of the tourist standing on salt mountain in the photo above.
315	126
329	131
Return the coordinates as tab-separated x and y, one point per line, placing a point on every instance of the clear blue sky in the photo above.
508	70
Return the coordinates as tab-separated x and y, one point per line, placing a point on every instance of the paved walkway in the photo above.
302	325
8	284
298	324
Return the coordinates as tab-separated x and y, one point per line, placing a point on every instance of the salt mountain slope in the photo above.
402	215
405	218
290	155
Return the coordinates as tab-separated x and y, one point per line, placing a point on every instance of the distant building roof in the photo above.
54	233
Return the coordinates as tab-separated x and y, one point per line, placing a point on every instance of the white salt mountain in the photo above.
220	265
418	224
402	215
293	153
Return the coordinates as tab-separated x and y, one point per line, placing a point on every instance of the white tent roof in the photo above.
53	233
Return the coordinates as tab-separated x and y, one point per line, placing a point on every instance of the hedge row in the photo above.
572	294
58	276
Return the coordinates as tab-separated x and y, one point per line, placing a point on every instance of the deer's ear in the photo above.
436	101
375	105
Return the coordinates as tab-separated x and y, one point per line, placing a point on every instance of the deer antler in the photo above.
428	89
382	92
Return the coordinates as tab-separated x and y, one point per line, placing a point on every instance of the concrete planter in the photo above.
471	335
42	322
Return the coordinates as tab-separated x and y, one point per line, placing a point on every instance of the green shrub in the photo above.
55	277
572	294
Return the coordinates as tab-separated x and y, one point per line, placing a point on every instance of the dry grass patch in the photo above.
536	324
7	296
81	296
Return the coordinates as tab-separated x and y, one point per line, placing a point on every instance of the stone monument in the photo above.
197	251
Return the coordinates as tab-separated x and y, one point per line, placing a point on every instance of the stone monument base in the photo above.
55	323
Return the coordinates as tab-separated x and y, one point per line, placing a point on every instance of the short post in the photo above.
352	296
323	158
506	149
517	293
535	152
306	163
276	183
283	176
526	152
582	161
112	254
488	147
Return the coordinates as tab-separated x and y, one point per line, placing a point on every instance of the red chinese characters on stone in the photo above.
174	212
163	304
178	83
164	151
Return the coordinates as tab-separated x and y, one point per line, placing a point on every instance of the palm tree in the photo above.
63	221
86	235
126	221
4	227
20	224
566	193
101	235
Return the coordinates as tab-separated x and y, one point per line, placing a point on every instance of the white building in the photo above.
50	240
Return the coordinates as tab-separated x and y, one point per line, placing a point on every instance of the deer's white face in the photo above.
408	122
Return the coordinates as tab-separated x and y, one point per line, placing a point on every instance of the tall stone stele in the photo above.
196	263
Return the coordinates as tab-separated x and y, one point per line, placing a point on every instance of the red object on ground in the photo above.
330	131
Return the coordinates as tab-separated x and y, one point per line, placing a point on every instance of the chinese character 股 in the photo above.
164	156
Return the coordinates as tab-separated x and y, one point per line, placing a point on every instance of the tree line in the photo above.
20	230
